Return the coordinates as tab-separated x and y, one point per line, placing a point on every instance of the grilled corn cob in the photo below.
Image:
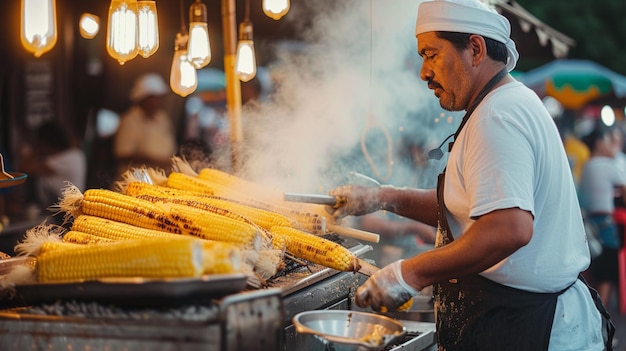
172	257
308	221
113	230
76	237
316	249
171	218
263	192
263	218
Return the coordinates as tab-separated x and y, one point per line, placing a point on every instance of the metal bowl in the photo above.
349	330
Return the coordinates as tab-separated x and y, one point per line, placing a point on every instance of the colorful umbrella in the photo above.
574	83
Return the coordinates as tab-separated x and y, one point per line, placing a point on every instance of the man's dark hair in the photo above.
495	50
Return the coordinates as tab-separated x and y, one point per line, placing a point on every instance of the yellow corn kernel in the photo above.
221	257
316	249
261	192
127	209
213	226
263	218
77	237
113	230
308	221
150	258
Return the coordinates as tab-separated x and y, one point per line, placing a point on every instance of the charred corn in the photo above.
76	237
308	221
151	258
170	218
127	209
113	230
316	249
263	218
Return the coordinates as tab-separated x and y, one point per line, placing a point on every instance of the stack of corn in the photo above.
284	233
99	248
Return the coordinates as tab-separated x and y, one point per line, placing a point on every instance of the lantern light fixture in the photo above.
199	47
275	9
38	26
148	28
122	31
246	61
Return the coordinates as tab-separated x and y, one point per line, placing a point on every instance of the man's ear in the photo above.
478	47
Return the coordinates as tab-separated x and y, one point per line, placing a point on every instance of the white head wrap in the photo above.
146	85
466	16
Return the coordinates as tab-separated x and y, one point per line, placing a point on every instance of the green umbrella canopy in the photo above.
574	83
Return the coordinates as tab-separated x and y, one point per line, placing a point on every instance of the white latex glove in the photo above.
354	200
385	290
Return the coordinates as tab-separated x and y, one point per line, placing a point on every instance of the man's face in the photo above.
446	70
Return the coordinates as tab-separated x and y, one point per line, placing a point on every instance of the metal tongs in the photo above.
354	178
329	200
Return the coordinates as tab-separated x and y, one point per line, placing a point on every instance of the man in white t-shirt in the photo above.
511	241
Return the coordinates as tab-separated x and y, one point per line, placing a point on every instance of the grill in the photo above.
249	320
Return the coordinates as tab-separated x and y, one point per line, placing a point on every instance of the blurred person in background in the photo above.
510	244
146	135
54	159
601	182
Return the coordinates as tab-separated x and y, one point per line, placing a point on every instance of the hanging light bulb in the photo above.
183	76
89	25
38	26
148	28
246	61
199	48
275	9
122	32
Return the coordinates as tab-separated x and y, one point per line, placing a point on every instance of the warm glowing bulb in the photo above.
38	26
199	48
148	28
183	75
275	9
89	25
122	35
246	61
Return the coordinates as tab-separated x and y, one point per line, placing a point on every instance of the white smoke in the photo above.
355	75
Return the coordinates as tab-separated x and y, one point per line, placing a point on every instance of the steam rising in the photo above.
357	72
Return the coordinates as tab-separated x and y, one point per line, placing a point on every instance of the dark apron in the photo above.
475	313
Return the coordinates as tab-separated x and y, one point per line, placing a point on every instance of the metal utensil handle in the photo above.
311	198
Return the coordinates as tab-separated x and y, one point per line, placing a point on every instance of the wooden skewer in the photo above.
354	233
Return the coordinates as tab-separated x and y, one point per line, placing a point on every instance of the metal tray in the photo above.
134	292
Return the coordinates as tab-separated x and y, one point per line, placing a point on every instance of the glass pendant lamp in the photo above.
122	32
183	75
199	48
275	9
38	26
148	28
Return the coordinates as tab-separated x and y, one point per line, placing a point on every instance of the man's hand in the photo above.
354	200
385	290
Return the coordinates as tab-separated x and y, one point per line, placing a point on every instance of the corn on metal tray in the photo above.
136	292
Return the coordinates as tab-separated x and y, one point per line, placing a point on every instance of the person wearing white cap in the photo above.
511	243
146	134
